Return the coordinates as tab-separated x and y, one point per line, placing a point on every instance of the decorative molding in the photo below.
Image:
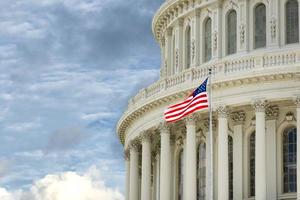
215	40
259	105
272	112
193	49
238	117
290	117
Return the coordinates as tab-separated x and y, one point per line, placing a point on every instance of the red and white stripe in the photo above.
188	106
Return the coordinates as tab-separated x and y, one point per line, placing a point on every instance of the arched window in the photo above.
231	32
180	175
188	47
207	40
230	167
292	21
252	164
201	176
260	25
289	145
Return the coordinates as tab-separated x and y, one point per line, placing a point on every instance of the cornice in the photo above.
138	111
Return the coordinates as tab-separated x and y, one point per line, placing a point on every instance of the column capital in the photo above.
164	128
169	32
127	155
297	101
180	22
272	112
134	145
222	111
190	119
145	136
162	41
259	105
238	117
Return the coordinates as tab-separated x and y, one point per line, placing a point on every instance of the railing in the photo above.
223	69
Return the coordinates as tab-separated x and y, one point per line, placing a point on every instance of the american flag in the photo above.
198	100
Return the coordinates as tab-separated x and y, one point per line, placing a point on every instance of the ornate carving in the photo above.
297	101
193	47
289	116
259	105
242	33
238	117
215	40
176	58
273	27
134	144
222	111
164	128
145	136
206	123
272	112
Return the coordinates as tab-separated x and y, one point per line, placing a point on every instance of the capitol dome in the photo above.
253	50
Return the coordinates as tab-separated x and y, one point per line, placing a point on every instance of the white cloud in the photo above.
67	185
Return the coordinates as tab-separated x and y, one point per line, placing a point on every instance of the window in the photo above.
188	47
201	175
289	145
207	40
252	164
292	22
231	32
180	175
230	167
260	25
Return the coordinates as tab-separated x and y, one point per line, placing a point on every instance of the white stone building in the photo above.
252	47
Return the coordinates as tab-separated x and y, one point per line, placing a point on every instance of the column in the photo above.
168	50
209	160
157	176
165	163
134	172
127	168
154	177
163	65
190	162
271	148
260	150
146	167
297	101
238	119
223	192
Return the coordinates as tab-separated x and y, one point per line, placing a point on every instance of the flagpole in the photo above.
211	195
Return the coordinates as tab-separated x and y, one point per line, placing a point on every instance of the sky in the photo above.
67	70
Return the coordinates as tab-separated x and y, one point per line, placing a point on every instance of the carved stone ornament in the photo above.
272	112
193	49
297	101
222	111
145	136
259	105
289	116
164	128
134	144
206	123
238	117
127	154
176	58
215	40
242	33
273	27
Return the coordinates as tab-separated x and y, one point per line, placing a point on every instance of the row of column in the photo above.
190	184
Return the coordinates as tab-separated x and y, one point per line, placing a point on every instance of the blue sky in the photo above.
68	68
